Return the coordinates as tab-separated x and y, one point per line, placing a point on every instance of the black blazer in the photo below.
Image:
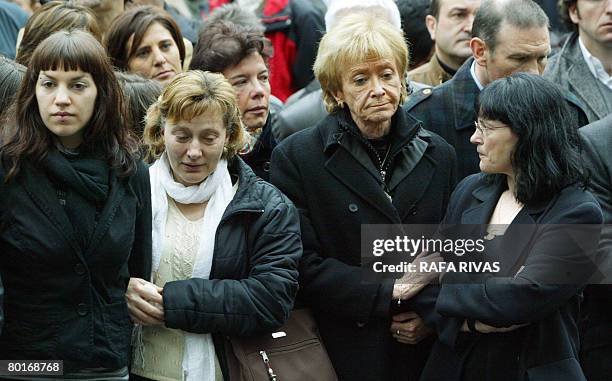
326	172
549	343
62	301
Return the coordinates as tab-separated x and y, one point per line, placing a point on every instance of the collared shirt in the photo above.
595	66
473	72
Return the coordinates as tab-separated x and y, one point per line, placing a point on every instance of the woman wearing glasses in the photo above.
518	323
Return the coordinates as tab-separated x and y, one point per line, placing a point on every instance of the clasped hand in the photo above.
145	302
414	281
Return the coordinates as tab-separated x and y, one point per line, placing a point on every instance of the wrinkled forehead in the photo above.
370	64
374	58
447	6
513	39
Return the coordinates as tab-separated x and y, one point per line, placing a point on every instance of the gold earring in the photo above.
340	103
225	151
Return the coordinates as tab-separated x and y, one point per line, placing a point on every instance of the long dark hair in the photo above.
547	154
29	139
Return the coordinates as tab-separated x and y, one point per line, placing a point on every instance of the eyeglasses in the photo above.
484	129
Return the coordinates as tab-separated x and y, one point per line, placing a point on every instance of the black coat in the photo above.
254	275
547	348
449	110
259	158
596	348
335	186
1	305
61	301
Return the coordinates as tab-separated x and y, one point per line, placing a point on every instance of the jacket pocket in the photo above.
30	332
118	328
563	370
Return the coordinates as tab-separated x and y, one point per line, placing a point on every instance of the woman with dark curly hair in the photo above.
75	216
242	55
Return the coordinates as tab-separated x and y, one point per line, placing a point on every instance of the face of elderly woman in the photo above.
495	143
371	90
66	102
157	56
250	79
194	147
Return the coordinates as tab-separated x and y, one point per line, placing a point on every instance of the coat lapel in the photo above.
583	83
343	166
115	196
486	197
518	237
464	92
44	196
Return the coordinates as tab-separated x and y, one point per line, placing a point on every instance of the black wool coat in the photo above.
326	172
62	301
546	348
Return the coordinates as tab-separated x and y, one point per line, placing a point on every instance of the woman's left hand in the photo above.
145	302
409	328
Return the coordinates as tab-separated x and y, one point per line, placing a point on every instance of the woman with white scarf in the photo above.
226	244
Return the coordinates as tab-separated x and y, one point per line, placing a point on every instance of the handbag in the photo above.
293	353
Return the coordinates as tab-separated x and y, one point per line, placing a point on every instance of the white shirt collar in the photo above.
595	66
473	72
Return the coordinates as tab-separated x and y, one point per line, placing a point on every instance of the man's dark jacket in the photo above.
254	274
449	110
63	301
596	340
259	158
548	344
328	174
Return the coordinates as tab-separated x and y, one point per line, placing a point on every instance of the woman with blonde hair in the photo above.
368	162
226	244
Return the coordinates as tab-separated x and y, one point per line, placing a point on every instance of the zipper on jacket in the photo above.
266	360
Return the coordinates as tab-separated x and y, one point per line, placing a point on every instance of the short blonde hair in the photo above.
189	95
355	39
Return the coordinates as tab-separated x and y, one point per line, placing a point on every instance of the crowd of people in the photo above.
178	173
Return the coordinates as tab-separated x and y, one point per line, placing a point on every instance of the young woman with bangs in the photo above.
75	215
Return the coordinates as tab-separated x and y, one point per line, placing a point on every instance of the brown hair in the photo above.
191	94
52	17
564	7
105	132
11	75
135	22
140	93
224	44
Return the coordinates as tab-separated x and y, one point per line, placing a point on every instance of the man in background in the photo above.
583	66
449	23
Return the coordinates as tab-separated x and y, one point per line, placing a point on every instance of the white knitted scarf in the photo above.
199	355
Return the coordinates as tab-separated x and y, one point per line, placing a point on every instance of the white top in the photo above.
595	66
473	72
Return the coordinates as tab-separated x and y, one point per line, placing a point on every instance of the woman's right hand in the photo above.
414	281
145	302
